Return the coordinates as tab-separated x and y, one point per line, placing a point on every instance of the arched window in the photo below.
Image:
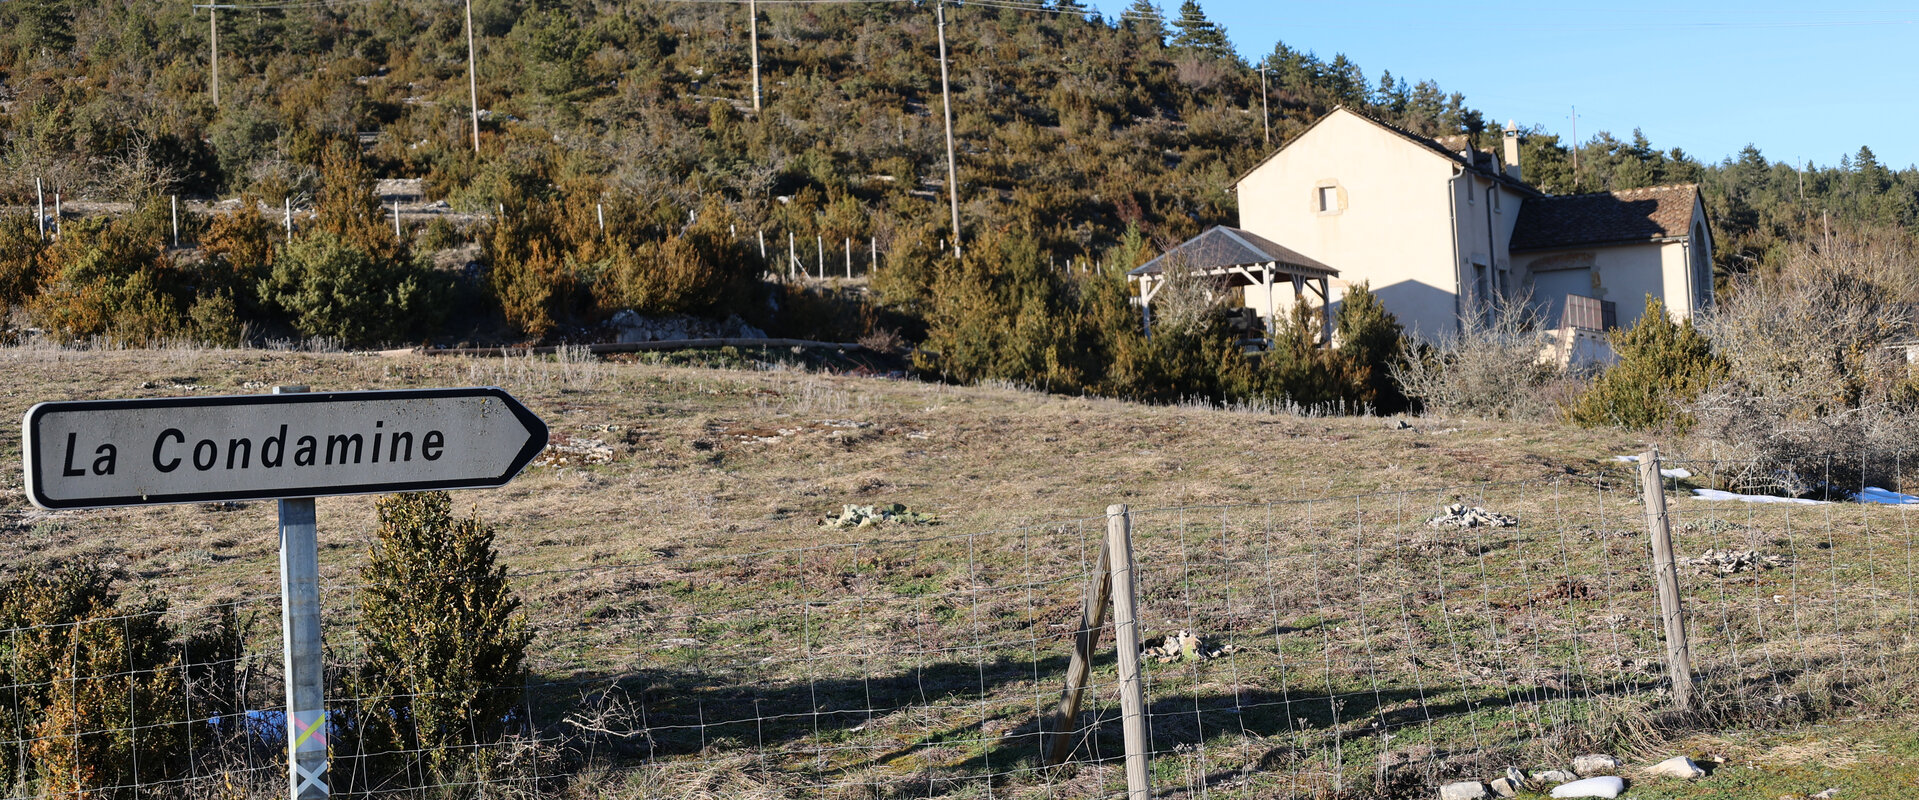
1701	267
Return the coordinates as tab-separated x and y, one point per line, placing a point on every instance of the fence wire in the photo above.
1304	647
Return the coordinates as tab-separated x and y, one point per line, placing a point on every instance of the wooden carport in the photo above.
1236	257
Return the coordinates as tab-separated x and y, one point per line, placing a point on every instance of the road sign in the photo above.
96	454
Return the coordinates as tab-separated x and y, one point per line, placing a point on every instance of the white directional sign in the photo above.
95	454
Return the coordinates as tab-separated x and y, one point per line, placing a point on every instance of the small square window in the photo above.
1328	199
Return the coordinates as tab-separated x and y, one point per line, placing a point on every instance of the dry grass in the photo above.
682	584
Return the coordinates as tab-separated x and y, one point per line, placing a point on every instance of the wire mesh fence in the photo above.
1321	647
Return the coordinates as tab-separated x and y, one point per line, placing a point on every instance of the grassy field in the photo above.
701	634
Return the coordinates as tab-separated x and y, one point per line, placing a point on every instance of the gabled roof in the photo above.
1634	215
1423	142
1222	247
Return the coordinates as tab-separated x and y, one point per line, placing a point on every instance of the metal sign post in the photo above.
291	446
300	620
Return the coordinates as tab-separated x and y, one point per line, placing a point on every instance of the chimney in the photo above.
1512	150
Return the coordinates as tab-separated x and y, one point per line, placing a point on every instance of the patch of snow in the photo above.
1715	494
1874	494
1676	472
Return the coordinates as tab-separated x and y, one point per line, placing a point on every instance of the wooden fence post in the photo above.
1666	575
1132	694
1092	617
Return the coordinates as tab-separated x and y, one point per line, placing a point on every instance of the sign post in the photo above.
290	446
300	619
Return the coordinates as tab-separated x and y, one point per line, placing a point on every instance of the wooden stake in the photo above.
175	201
1671	612
875	265
397	236
761	235
287	203
40	207
1132	695
849	258
599	212
56	215
792	255
1092	617
819	253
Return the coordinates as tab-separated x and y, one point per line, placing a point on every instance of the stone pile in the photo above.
1459	516
1591	776
1183	646
1733	562
853	516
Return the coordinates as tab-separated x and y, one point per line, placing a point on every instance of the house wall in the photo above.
1622	274
1394	227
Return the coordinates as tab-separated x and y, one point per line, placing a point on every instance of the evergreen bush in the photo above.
97	686
1662	367
445	641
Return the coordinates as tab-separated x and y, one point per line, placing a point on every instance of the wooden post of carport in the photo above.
1325	312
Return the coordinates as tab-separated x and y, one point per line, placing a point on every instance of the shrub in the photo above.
1494	366
1371	344
97	686
1662	367
329	287
445	641
111	279
20	248
1816	397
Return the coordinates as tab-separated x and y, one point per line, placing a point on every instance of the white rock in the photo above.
1589	765
1604	786
1505	787
1463	790
1555	776
1676	767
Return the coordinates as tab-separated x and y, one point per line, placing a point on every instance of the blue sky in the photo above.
1800	81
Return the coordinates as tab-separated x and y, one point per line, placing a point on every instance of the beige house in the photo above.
1439	230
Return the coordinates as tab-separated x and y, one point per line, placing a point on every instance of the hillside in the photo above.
1069	127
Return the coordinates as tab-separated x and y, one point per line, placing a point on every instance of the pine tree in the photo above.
1145	19
1197	33
445	640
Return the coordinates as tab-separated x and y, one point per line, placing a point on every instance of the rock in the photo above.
629	326
1505	787
1595	764
1463	790
1604	786
1554	777
1828	794
1676	767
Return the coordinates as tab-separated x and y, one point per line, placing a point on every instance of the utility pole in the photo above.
946	103
213	46
1575	149
753	32
1265	114
472	78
